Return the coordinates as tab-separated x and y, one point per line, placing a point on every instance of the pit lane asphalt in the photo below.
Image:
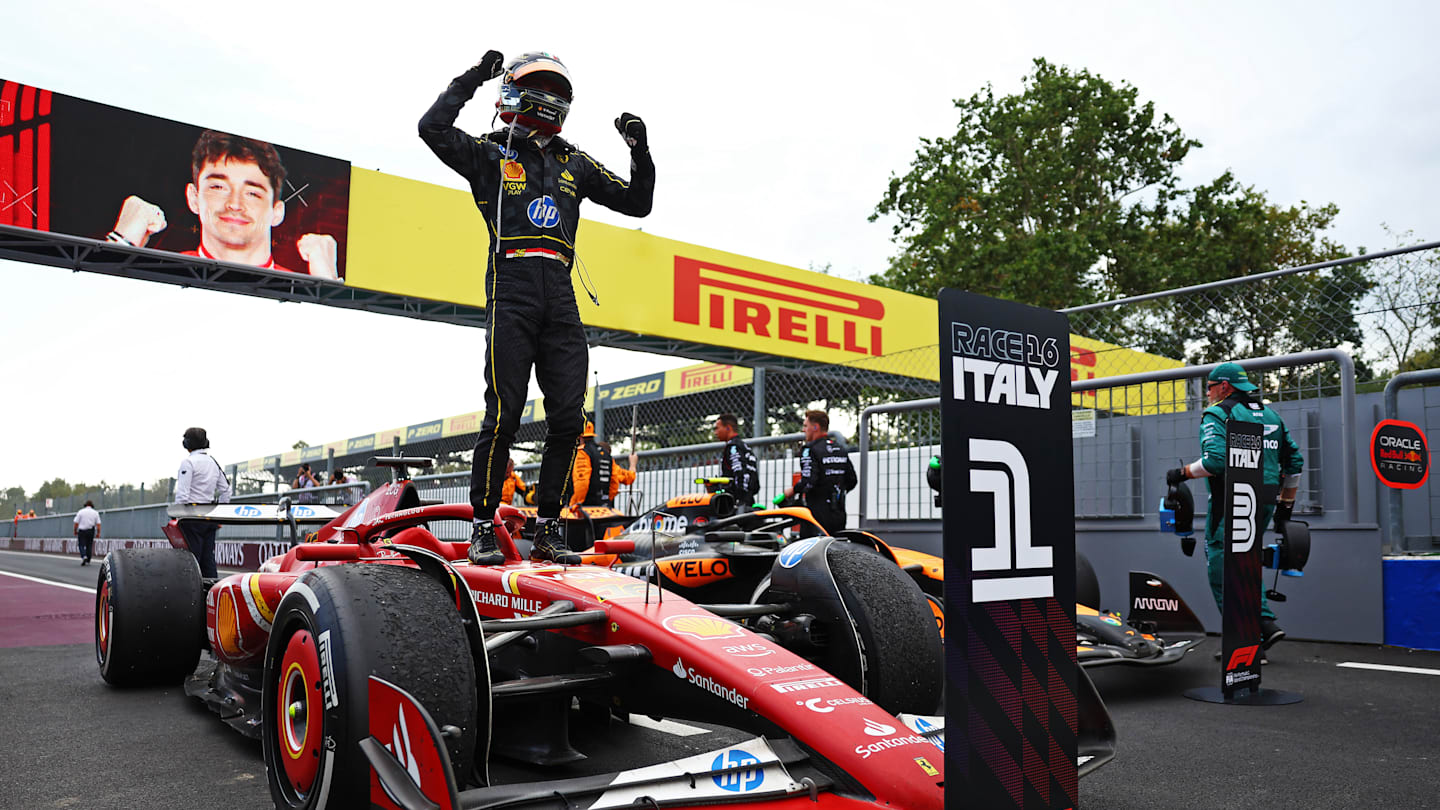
1360	738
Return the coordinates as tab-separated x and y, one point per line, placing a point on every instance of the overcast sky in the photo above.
774	127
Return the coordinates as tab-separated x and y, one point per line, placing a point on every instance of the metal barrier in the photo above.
1396	516
1347	401
926	508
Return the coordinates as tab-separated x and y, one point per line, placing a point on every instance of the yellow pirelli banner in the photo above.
417	239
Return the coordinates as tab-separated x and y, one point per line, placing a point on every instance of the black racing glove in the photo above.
492	64
1283	511
632	129
1187	545
1175	476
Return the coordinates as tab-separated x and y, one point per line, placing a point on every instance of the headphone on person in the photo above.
195	439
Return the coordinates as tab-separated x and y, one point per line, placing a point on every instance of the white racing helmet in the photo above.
535	92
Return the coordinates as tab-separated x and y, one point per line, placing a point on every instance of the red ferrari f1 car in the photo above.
379	668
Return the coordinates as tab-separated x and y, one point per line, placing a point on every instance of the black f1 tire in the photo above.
336	626
900	645
149	616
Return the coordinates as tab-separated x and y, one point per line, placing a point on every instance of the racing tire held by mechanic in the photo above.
902	664
337	626
149	616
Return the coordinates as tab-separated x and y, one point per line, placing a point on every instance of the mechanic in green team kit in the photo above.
1232	396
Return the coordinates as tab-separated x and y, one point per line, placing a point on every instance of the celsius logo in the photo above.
823	706
1003	367
790	557
542	212
741	775
246	511
875	729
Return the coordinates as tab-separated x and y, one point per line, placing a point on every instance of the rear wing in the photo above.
255	513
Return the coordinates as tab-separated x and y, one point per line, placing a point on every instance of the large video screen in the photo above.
76	167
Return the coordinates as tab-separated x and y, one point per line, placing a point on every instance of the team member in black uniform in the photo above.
737	462
826	474
528	184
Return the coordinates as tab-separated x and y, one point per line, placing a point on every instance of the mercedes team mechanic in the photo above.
528	184
826	474
737	462
1232	396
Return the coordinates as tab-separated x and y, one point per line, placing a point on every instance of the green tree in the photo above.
1404	307
1066	193
1050	196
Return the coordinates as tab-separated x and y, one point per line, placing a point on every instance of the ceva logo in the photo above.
747	302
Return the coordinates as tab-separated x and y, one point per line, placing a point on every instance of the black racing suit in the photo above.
531	316
826	474
737	462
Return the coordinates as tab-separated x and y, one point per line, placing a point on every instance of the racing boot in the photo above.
483	548
1270	633
549	544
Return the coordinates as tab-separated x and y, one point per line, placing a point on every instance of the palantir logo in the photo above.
543	212
741	780
1012	550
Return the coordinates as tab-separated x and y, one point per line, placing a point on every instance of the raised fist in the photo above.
139	220
320	251
490	65
632	129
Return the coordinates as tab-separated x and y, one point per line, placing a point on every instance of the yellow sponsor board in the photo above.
463	424
705	377
417	239
289	458
1092	359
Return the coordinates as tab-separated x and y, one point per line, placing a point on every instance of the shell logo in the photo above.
702	627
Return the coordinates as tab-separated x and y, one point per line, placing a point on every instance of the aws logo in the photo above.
747	302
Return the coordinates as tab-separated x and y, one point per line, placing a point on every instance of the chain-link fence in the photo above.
1384	308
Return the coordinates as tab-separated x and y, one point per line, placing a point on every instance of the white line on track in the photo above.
49	582
1389	668
667	726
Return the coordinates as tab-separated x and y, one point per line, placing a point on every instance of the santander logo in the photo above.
875	729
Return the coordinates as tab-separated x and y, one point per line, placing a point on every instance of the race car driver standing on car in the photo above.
826	474
1232	396
528	183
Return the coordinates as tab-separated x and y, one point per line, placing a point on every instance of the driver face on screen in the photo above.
237	208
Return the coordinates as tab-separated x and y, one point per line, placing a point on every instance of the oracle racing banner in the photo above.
76	167
1007	501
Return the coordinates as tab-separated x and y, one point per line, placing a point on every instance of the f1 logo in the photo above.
1243	657
1012	550
1242	534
